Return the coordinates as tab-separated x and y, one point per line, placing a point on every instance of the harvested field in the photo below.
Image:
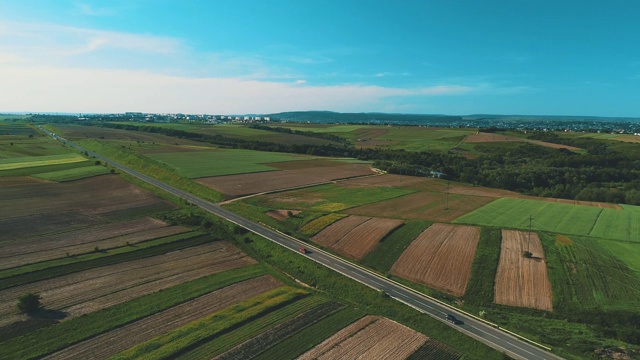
490	137
522	281
369	338
16	253
245	184
389	180
430	206
364	238
440	257
87	291
108	344
38	208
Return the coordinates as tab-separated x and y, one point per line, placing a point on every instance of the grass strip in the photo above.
64	269
73	174
247	335
200	331
56	337
393	245
485	266
311	336
75	259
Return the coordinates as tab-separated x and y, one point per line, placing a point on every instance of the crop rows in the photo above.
264	341
205	329
120	339
435	350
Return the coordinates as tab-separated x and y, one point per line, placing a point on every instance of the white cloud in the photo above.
87	9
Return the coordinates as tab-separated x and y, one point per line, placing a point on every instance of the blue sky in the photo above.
232	57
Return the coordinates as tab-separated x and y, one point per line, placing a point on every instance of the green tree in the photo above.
29	303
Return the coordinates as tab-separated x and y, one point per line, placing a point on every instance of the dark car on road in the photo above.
454	320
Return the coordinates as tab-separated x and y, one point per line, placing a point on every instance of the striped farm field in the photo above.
83	292
316	225
122	338
25	162
74	173
440	257
369	338
522	281
355	236
607	223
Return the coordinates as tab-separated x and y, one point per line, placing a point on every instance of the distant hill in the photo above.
373	118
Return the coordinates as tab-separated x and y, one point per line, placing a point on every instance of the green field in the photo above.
73	174
16	128
558	218
196	164
27	162
330	197
586	274
38	146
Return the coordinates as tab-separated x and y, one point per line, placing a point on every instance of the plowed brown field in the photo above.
108	344
245	184
369	338
440	257
39	208
356	236
83	240
90	290
522	281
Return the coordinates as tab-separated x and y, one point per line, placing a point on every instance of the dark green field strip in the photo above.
311	336
251	333
44	169
433	349
485	265
53	338
73	174
115	256
276	334
393	245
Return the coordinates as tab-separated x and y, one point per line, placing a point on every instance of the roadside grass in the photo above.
74	173
304	340
115	257
80	258
56	337
485	265
30	161
197	164
250	337
330	197
196	333
154	169
393	245
558	218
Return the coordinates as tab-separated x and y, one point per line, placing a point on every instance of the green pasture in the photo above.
27	162
73	174
586	274
331	198
558	218
196	164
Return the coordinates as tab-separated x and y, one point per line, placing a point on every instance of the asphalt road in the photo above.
471	326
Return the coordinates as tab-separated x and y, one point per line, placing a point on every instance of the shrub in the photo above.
29	303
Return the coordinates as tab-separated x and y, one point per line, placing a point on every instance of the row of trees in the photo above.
600	173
